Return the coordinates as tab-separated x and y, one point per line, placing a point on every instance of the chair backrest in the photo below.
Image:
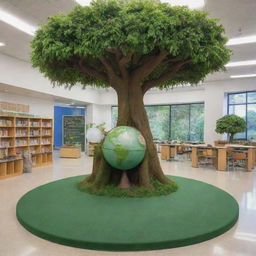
240	156
210	152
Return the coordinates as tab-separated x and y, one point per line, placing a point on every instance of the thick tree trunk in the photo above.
231	137
131	112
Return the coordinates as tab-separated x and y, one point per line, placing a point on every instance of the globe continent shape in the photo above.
124	147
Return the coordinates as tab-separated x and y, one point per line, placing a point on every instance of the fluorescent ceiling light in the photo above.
241	63
242	40
17	23
193	4
83	2
242	76
2	44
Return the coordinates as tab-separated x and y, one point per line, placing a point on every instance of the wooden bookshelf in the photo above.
19	134
11	168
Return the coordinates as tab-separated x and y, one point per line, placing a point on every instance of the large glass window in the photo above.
158	117
244	105
187	122
114	116
173	122
196	122
180	122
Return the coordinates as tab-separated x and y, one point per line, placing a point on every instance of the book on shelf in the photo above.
35	132
34	123
21	142
34	141
46	124
5	122
21	122
4	132
21	132
5	143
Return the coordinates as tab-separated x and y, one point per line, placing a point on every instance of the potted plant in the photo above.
230	124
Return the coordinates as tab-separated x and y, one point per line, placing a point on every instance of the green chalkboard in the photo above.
74	131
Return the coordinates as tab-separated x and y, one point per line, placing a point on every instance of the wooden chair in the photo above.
207	156
236	158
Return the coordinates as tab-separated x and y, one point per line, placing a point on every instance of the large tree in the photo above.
130	46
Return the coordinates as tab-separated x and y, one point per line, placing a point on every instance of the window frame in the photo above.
246	108
170	109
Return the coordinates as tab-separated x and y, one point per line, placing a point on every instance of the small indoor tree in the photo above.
130	46
230	124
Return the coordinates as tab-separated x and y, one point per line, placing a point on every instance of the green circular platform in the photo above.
60	213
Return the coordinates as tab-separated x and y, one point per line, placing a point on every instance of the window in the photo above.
180	122
158	117
196	122
176	122
187	122
114	116
244	105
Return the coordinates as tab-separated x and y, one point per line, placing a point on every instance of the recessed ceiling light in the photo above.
83	2
193	4
17	23
241	63
242	40
2	44
243	76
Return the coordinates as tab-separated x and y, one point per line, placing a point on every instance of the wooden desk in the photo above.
251	152
221	156
168	151
70	152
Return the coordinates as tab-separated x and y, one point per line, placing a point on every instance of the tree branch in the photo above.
87	70
113	78
164	77
122	65
121	60
149	63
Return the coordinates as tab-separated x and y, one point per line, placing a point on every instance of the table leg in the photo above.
194	157
250	160
222	159
173	151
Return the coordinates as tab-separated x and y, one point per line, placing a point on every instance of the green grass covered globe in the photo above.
124	147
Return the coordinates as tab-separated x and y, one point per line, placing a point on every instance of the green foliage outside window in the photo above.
158	117
180	122
186	124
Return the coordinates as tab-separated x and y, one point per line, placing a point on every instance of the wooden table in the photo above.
251	152
70	151
222	155
168	151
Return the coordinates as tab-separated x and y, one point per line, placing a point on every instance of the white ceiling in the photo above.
237	16
4	88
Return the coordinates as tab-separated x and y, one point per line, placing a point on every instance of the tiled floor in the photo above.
239	241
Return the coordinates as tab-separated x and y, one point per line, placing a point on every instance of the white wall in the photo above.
215	102
99	114
37	106
175	96
19	73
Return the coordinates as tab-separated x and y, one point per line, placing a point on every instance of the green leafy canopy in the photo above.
138	27
230	124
